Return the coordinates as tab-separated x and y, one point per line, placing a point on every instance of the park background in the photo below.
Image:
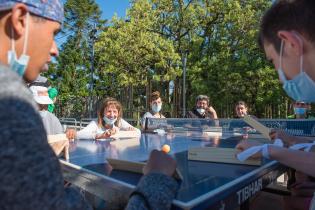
181	48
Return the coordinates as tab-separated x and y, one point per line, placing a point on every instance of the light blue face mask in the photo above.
19	64
43	113
299	111
301	87
109	121
156	108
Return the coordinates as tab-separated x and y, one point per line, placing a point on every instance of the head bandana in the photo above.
49	9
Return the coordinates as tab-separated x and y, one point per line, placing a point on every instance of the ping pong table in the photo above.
205	185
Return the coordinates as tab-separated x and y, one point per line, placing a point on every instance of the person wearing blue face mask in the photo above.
156	106
287	35
301	110
27	29
30	175
108	123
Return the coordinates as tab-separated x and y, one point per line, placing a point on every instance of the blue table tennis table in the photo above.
205	185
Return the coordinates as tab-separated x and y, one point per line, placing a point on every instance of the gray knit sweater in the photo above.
30	175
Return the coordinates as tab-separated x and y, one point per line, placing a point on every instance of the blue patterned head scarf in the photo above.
49	9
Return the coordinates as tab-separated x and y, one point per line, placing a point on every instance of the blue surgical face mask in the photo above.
156	108
19	64
301	87
109	121
300	111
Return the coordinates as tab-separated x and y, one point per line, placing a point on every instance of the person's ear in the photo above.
293	43
18	19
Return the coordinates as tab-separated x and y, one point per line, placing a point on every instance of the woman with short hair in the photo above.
156	106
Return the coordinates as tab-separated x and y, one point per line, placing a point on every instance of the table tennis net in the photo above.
294	127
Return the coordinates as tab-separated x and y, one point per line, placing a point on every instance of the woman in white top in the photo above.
156	106
109	122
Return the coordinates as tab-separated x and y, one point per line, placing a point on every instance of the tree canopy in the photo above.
144	51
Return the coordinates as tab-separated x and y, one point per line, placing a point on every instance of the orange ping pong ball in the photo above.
166	148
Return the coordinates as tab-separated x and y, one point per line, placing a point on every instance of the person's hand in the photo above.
108	133
71	133
305	189
104	135
287	139
244	145
159	162
212	112
114	130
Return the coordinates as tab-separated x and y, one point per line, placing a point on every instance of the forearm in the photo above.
302	139
158	191
85	134
214	115
299	160
88	132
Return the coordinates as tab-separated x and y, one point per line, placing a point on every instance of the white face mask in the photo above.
201	111
156	108
19	64
109	121
43	113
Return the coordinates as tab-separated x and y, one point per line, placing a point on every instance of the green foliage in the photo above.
72	72
130	50
225	62
143	52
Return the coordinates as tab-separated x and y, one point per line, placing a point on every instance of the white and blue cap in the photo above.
41	95
49	9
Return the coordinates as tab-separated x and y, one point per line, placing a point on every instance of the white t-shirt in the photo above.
51	123
92	129
145	116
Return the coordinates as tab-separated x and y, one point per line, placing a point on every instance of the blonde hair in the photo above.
106	103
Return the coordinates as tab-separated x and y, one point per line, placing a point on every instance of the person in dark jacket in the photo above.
202	109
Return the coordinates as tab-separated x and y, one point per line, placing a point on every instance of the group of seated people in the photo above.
109	122
109	116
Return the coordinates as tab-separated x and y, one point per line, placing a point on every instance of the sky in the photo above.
110	7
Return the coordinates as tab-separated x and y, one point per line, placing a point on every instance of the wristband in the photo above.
265	151
261	148
304	146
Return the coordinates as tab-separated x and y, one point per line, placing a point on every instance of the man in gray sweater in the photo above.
30	175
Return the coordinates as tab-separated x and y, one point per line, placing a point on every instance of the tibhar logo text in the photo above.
249	191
